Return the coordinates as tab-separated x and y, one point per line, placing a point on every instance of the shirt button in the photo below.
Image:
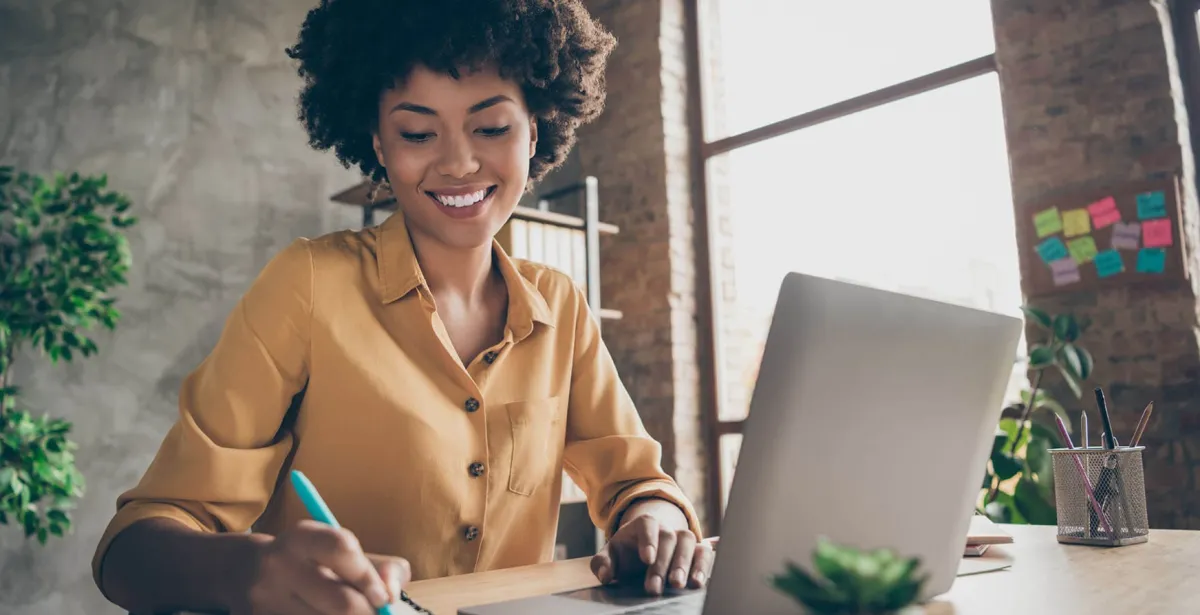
476	469
490	357
471	405
471	533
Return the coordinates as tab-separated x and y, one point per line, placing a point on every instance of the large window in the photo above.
858	141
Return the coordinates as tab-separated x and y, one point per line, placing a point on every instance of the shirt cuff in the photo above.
661	489
130	514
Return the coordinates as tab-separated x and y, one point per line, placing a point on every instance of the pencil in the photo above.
1083	428
1141	425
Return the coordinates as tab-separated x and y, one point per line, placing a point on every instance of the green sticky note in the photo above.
1047	222
1083	249
1052	249
1151	260
1109	263
1152	205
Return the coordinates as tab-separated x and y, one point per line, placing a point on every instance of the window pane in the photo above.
731	446
912	197
772	59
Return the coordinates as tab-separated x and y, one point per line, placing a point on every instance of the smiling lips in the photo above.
460	198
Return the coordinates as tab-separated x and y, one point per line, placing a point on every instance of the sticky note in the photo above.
1052	249
1109	263
1151	260
1156	233
1065	271
1076	222
1083	249
1126	235
1047	222
1152	205
1104	212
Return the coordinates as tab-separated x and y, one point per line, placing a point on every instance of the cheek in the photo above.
407	166
509	158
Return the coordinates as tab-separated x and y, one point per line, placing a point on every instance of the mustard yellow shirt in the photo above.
458	469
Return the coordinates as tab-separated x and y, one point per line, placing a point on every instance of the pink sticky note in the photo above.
1103	205
1157	233
1105	218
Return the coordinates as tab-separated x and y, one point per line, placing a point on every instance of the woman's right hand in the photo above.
317	569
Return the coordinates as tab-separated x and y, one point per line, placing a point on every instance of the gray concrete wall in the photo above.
188	105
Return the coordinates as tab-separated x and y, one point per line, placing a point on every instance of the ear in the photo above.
378	147
533	136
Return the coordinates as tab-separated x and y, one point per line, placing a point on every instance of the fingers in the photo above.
702	561
338	550
320	591
681	561
648	545
395	572
602	565
657	573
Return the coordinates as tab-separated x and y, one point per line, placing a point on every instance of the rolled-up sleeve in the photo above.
608	452
218	464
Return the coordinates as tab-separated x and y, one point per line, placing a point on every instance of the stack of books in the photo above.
983	534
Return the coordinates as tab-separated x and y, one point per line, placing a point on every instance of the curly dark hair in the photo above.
349	51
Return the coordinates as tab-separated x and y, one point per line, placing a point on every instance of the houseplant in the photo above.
62	252
849	581
1018	484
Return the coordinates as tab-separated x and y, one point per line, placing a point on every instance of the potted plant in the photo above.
62	252
849	581
1018	484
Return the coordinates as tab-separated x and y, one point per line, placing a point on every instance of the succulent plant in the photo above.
852	581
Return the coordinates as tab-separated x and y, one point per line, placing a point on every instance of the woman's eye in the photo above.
494	132
416	137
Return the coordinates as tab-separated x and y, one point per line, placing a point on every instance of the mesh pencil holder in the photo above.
1100	496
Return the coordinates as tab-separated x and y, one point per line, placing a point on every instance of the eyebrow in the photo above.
475	108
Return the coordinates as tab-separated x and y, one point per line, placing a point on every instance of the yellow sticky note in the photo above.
1082	249
1076	222
1047	222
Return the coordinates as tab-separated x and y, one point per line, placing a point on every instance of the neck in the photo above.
462	273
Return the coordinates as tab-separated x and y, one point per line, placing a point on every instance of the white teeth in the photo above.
462	200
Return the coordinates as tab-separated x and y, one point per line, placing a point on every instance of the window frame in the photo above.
708	298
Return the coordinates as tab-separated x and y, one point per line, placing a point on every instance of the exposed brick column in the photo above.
1089	101
638	149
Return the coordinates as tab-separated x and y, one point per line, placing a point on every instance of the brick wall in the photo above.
1091	98
638	150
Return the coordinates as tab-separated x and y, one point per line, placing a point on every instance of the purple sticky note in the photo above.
1126	235
1065	271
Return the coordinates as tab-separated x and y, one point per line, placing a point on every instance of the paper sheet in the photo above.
1152	205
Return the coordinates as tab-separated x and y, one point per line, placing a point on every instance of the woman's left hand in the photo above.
661	552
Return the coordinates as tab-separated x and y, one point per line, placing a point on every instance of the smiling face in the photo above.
456	152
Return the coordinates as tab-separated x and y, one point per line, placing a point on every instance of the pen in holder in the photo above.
1100	496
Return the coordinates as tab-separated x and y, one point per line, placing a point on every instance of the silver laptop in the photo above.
870	423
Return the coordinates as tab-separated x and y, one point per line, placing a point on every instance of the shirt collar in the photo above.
400	274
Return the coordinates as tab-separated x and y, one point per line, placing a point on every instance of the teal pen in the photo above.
320	511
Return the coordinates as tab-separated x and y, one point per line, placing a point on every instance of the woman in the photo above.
432	388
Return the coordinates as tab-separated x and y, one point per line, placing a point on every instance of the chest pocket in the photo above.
536	443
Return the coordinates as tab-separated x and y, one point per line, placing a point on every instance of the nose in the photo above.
457	157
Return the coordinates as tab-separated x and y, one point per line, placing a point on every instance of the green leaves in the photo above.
62	254
38	477
852	581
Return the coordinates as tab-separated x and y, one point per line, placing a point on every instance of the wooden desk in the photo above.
1158	577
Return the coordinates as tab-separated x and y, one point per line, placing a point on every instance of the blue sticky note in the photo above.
1151	260
1151	205
1052	249
1109	263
